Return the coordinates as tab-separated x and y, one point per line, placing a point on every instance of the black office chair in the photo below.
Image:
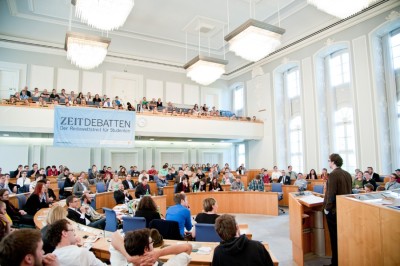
277	187
168	229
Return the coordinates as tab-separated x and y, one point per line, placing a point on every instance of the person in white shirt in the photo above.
23	180
301	182
61	234
137	248
275	174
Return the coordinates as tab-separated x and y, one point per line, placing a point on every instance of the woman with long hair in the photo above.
147	208
37	200
209	214
214	185
17	216
312	175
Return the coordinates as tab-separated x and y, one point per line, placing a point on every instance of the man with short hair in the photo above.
4	185
237	185
121	196
256	184
374	176
392	184
291	173
236	249
284	179
180	213
61	235
369	180
179	177
128	182
91	212
79	213
81	186
134	172
64	174
34	171
339	183
301	182
25	247
143	188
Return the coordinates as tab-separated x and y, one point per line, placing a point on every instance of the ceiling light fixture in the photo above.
86	51
205	70
105	15
254	39
341	8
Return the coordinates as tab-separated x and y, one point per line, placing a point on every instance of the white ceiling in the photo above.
155	31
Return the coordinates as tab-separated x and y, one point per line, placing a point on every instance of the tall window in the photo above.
395	47
296	144
339	68
241	154
293	83
345	141
238	98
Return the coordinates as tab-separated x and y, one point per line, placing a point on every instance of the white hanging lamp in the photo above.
341	8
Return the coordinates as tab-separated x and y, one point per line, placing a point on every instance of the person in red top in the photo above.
53	171
152	172
266	178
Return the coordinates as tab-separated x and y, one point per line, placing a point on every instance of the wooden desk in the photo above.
286	189
237	202
367	226
106	199
306	221
169	193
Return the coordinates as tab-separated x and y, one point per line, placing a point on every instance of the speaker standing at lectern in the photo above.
339	183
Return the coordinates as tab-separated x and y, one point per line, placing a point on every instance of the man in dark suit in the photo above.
143	188
128	182
179	177
369	180
339	183
121	195
374	176
284	179
77	213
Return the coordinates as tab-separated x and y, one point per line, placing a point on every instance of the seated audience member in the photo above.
64	174
200	186
143	188
96	99
4	185
134	172
164	170
62	235
153	104
144	104
42	172
210	208
183	186
45	94
34	171
291	173
284	179
79	214
122	172
143	174
128	182
17	173
368	188
107	103
374	176
358	182
24	247
37	200
324	174
161	183
397	171
114	183
32	184
152	172
68	183
214	185
301	182
265	176
312	175
237	185
63	94
56	213
275	174
50	193
179	177
36	93
81	186
121	196
369	180
147	208
256	184
129	107
93	215
93	175
137	249
52	171
22	181
225	179
392	184
170	176
5	221
236	249
159	103
17	216
241	170
180	213
200	174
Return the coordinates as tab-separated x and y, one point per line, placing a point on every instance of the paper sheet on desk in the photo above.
204	251
311	199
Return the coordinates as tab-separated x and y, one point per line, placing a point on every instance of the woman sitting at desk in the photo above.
358	182
147	208
68	183
214	185
209	215
16	215
37	200
201	185
183	186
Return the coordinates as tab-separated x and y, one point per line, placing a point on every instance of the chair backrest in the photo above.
276	187
100	187
319	189
21	201
168	229
111	220
206	233
133	223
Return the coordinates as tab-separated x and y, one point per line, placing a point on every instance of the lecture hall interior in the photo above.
319	79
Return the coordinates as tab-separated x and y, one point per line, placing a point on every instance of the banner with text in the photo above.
86	127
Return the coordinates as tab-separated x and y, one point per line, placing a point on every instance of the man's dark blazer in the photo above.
286	181
76	216
119	197
126	185
376	177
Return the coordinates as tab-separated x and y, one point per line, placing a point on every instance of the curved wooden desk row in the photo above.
101	247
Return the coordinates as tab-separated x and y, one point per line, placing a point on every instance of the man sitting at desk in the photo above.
81	186
392	184
236	249
62	236
121	196
301	182
143	188
284	179
79	214
369	180
256	184
90	211
180	213
237	185
128	182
